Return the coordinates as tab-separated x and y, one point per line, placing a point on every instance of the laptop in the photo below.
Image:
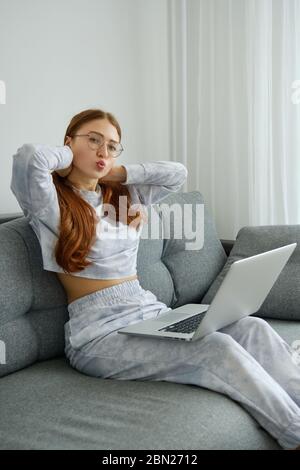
242	292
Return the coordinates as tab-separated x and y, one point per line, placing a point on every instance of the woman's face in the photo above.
85	171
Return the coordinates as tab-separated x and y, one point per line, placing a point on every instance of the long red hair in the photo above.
78	219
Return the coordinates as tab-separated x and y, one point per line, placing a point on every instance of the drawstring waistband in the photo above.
107	295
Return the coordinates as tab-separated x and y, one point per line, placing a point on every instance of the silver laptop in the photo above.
242	292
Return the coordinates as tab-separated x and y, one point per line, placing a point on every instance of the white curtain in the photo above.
233	64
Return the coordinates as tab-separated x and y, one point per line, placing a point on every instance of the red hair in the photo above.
78	219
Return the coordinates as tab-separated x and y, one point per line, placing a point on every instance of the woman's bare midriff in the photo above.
77	287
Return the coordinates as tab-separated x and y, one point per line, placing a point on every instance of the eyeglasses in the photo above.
95	142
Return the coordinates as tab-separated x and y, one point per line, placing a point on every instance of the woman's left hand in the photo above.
117	173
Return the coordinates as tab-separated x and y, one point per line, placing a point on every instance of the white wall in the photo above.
60	57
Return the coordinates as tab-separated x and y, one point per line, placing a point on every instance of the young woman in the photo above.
94	253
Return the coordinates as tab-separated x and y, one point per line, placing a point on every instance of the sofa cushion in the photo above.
33	304
49	405
283	299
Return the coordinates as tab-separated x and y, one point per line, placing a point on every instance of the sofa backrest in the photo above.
33	303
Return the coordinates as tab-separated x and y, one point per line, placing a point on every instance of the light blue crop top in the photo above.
114	252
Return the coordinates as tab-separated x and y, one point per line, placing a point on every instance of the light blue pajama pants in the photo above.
247	360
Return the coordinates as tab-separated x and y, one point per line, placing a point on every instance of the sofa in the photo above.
46	404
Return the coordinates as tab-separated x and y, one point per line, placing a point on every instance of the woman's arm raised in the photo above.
31	182
153	181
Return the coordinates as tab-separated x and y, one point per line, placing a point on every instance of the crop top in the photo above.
114	251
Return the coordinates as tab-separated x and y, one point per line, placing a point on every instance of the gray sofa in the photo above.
46	404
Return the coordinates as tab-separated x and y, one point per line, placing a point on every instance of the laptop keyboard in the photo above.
188	325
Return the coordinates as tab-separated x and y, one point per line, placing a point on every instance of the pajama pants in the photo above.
246	361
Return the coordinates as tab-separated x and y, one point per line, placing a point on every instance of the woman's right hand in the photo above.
65	171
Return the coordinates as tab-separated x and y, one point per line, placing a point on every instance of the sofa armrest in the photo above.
227	245
7	217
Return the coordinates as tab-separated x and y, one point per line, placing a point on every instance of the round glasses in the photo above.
95	142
